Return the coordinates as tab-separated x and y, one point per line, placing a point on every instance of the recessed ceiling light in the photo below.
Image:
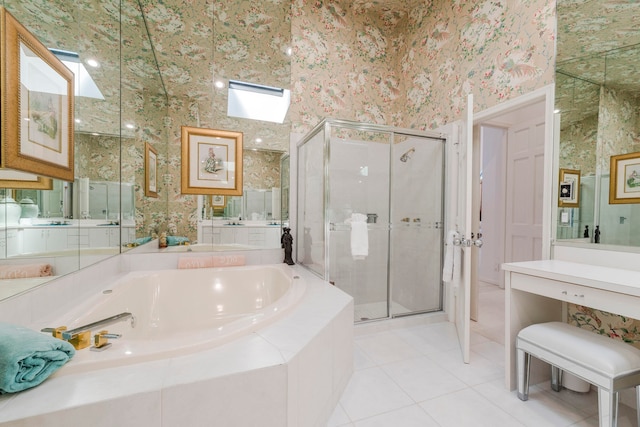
130	126
93	63
219	84
258	140
95	133
289	51
78	120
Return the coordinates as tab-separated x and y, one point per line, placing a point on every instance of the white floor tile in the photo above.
467	408
423	379
429	339
411	416
395	367
385	347
371	392
339	418
539	411
479	370
360	358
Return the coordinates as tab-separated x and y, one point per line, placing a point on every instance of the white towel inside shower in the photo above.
359	236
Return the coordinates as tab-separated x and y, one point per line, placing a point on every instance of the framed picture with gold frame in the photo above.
211	162
24	181
569	190
218	201
37	98
150	171
624	181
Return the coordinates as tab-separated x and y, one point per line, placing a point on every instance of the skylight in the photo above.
84	84
257	102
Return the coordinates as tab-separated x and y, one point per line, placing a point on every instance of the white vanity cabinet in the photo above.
10	243
103	237
258	235
234	234
43	239
24	240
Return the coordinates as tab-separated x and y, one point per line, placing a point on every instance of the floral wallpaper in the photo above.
618	126
368	63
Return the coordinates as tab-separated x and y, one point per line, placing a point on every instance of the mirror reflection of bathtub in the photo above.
60	262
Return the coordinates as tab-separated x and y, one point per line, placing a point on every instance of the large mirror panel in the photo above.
103	211
597	99
219	42
161	66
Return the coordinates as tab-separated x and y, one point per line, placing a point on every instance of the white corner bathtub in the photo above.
178	312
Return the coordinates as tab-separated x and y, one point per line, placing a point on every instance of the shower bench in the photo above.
610	365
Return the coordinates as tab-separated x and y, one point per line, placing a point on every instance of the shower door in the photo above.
417	211
358	175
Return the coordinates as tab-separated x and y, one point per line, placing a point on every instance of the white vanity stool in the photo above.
610	365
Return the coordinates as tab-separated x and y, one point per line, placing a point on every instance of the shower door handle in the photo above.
477	242
466	243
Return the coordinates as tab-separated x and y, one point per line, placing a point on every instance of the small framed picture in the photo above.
218	201
624	182
569	190
150	171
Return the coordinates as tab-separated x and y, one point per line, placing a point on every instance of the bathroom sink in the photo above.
58	223
108	224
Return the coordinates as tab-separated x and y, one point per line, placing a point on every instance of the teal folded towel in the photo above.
177	240
27	357
142	240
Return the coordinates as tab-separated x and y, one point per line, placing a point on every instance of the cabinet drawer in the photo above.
577	294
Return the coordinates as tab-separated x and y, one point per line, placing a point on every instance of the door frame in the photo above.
488	117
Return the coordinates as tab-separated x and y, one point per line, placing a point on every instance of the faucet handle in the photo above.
101	340
55	332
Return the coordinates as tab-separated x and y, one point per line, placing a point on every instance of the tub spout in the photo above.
81	337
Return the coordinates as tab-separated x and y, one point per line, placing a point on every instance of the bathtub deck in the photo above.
291	373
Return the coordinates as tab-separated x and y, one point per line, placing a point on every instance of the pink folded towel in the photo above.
19	271
228	260
211	261
195	262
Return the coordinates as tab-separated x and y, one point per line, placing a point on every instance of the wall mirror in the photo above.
597	99
154	75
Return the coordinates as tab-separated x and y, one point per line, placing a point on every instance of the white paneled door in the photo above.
525	191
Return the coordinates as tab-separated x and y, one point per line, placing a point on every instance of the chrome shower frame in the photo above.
326	126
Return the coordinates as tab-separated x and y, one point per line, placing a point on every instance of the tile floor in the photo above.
410	374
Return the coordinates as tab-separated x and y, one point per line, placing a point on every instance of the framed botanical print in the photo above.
211	162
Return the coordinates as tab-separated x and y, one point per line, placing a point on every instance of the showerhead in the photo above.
407	155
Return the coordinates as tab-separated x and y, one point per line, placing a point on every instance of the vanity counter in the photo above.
538	291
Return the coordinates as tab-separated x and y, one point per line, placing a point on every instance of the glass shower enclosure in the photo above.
370	208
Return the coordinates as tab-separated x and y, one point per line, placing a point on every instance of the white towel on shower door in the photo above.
359	236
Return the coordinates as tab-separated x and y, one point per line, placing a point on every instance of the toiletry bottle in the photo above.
586	231
596	235
162	243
